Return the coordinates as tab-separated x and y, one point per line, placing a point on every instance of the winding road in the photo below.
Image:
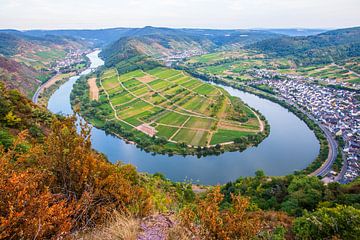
333	146
37	93
325	168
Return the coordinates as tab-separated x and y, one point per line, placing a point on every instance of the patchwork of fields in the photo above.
167	103
235	64
331	71
239	66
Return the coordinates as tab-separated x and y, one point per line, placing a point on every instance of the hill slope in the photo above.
169	44
18	76
24	60
322	48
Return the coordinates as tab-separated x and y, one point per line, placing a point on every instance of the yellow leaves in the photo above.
226	224
28	208
62	184
11	119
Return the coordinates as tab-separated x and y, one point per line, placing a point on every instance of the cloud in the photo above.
50	14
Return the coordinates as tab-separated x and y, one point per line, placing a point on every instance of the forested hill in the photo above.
14	42
161	43
322	48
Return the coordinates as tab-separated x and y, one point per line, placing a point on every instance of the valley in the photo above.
269	155
183	111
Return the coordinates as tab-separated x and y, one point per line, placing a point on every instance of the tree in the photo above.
341	222
304	193
28	209
210	222
11	119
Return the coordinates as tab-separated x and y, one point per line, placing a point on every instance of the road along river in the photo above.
290	146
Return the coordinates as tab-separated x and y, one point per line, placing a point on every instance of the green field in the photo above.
223	135
170	104
237	65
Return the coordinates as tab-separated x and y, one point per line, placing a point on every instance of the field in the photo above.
172	105
94	90
240	66
339	73
235	64
40	58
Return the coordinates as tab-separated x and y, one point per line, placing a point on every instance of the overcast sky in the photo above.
235	14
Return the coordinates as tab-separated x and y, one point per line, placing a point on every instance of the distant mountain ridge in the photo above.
163	42
103	37
13	42
296	31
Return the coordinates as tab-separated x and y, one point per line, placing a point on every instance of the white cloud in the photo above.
25	14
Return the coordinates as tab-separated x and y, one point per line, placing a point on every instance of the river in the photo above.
290	146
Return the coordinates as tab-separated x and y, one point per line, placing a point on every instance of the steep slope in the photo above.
24	60
18	76
168	44
15	42
322	48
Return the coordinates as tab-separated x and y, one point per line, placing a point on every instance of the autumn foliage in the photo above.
48	190
207	220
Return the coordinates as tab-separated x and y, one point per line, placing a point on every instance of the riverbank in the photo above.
328	150
46	89
279	154
100	115
328	146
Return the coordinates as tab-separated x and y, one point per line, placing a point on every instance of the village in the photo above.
70	62
336	109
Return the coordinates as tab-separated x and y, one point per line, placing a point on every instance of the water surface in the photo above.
290	146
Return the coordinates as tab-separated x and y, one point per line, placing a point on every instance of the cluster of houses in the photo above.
273	74
72	58
337	109
181	55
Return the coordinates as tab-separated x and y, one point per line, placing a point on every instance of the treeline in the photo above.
100	114
308	199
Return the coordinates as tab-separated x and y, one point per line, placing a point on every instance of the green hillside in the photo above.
318	49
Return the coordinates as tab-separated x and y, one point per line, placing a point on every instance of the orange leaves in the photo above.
29	209
207	220
61	185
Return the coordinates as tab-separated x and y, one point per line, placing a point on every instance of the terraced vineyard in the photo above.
169	104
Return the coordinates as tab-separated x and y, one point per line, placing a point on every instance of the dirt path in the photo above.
344	68
56	78
111	105
155	227
94	90
170	139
